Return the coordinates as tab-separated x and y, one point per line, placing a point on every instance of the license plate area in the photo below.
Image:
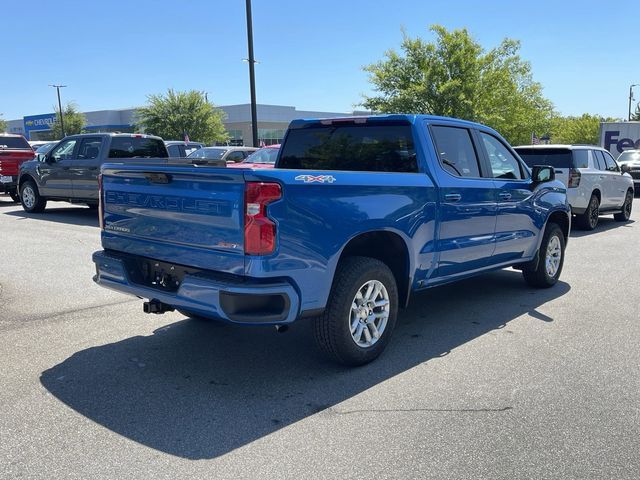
6	179
155	274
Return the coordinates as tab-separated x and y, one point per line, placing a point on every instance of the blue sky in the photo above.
112	54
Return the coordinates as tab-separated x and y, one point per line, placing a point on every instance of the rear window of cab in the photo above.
350	147
137	147
17	143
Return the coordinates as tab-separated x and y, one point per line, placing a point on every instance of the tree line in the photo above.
455	76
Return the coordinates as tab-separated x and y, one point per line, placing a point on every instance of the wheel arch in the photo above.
563	220
389	247
26	177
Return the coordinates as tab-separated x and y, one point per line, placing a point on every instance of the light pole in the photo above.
630	99
58	87
252	77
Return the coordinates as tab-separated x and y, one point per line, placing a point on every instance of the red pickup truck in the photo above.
14	150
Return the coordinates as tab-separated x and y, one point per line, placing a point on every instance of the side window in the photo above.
174	150
237	156
63	151
580	159
599	160
455	151
89	148
189	149
612	166
503	164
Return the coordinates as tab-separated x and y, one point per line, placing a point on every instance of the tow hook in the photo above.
282	328
154	306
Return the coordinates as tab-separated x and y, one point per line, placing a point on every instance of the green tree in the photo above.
74	121
3	125
582	129
635	117
172	115
454	76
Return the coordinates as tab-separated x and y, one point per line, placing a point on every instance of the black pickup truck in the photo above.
70	170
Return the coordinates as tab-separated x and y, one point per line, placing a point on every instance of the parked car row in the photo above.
68	170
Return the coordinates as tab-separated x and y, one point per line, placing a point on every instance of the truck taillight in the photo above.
574	178
100	203
259	229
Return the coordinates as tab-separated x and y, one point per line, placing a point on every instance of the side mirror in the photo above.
625	168
543	173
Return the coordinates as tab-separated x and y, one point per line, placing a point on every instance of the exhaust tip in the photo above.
282	328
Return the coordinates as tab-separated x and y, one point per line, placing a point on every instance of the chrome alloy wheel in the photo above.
369	313
28	197
553	256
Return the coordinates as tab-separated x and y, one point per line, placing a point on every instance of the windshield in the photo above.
209	153
264	155
137	147
44	149
630	156
554	157
14	142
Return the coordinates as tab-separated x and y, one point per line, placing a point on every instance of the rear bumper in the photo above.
229	298
11	186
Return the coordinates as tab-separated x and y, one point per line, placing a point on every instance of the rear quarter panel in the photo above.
317	220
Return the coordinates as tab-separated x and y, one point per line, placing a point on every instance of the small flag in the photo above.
534	139
186	137
262	145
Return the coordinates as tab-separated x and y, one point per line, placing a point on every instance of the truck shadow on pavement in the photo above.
71	215
199	390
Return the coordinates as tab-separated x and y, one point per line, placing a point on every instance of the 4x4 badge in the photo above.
316	178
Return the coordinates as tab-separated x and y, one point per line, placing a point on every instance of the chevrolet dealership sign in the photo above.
35	123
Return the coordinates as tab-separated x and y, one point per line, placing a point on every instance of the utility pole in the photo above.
58	87
252	77
631	99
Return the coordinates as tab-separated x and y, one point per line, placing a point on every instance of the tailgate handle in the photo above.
154	177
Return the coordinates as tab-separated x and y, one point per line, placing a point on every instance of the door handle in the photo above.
453	197
504	195
559	171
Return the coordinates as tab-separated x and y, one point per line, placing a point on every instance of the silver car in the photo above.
228	154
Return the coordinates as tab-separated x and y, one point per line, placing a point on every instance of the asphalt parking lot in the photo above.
487	378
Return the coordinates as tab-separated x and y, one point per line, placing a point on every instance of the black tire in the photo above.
538	276
332	329
14	196
589	219
625	214
34	202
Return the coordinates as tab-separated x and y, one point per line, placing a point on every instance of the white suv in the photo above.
595	183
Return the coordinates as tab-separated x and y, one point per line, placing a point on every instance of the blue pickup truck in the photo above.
358	214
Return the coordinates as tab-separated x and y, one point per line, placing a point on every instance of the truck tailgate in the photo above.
181	214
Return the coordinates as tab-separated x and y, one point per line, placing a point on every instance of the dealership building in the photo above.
272	122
